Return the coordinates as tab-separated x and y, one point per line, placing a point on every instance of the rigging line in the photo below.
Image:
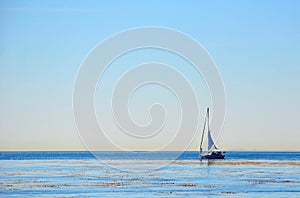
202	135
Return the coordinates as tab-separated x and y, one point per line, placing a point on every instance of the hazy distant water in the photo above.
242	174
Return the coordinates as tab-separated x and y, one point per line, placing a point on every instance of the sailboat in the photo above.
213	152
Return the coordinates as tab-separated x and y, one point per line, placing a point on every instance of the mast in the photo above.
208	119
209	139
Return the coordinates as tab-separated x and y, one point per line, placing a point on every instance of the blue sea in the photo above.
149	174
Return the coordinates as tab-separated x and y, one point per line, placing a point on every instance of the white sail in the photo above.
211	144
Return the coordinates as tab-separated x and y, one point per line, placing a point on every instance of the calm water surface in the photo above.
79	174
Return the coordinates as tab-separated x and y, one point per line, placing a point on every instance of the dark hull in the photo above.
213	156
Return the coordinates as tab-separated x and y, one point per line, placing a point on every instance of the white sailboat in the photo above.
212	152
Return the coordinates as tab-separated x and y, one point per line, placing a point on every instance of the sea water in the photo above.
81	174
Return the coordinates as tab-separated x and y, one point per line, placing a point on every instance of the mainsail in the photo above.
211	145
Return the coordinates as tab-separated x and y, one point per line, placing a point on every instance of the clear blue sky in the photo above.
255	44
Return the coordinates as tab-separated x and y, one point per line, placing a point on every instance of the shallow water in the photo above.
187	176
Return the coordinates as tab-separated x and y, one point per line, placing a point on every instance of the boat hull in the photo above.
213	156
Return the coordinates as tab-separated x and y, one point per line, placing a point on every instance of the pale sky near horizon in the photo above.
255	44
